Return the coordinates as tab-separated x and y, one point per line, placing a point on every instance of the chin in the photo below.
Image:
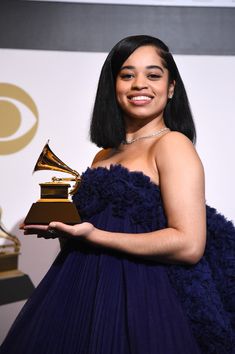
143	117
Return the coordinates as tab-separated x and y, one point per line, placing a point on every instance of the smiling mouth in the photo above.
140	98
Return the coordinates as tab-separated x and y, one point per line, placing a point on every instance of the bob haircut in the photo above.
107	129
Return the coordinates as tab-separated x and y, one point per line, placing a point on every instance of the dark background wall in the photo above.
97	27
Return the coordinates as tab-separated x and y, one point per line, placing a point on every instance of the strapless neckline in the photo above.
119	167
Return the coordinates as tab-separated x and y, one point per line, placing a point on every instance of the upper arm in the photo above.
182	187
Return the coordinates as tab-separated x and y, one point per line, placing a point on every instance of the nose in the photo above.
139	82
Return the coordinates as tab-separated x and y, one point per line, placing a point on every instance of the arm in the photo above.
182	188
183	192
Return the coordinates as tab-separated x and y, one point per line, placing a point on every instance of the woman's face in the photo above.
142	85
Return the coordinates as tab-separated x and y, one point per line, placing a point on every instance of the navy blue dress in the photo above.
99	301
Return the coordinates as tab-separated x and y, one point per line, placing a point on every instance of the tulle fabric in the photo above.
96	301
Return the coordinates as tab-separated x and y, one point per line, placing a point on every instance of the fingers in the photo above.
79	230
58	229
39	230
36	227
53	230
61	227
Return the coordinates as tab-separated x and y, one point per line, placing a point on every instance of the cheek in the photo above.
164	88
118	96
119	88
164	92
119	99
120	93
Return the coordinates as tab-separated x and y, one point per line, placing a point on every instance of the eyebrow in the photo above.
130	67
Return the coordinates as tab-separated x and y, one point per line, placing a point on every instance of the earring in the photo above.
170	95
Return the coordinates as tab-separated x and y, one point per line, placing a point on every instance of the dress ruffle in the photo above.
206	290
101	187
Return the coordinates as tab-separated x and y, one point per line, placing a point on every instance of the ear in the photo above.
171	89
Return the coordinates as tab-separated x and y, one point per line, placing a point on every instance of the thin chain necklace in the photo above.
158	132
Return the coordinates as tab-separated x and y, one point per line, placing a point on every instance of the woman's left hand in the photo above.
59	229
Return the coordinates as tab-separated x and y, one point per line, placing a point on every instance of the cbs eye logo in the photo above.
13	101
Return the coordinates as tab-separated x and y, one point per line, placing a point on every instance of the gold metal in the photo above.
9	251
15	242
41	200
53	204
49	161
14	284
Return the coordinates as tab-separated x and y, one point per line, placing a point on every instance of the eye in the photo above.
126	76
18	118
154	76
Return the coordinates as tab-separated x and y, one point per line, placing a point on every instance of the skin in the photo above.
170	160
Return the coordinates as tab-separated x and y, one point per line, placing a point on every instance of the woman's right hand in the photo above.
58	229
43	231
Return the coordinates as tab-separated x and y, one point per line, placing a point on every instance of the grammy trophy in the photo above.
54	204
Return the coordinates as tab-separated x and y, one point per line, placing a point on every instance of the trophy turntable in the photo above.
54	203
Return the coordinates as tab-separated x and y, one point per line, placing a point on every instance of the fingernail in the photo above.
52	224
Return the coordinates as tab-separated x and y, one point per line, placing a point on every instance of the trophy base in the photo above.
14	286
8	261
45	212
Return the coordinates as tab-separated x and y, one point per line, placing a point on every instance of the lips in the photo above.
140	99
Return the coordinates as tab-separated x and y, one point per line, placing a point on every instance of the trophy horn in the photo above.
54	203
49	161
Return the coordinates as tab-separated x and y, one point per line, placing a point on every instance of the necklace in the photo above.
158	132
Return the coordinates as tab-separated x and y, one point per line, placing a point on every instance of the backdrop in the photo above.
49	94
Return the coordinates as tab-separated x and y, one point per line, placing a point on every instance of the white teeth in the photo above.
140	98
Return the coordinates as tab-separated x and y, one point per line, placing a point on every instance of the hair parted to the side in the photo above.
107	128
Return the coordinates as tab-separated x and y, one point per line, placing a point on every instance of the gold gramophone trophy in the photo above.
54	204
14	284
9	250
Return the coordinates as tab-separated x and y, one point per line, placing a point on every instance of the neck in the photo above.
142	127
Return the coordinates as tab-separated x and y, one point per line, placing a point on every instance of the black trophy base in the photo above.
14	286
45	212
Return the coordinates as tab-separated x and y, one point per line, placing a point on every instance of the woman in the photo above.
135	276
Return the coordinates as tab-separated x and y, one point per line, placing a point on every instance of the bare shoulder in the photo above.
174	146
100	156
174	138
178	164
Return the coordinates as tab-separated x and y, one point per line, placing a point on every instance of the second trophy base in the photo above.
44	213
14	286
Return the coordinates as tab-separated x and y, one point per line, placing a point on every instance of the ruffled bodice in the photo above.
125	194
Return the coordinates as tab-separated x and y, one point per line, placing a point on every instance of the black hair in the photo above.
107	128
